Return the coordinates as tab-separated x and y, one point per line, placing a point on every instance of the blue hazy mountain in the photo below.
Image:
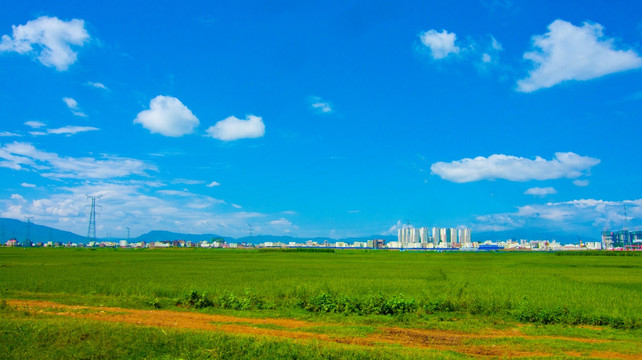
160	235
11	228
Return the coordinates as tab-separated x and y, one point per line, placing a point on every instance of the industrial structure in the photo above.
625	239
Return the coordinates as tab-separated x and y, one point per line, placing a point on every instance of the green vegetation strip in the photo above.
538	288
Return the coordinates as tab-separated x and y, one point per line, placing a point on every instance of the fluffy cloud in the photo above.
584	215
24	156
73	106
234	128
540	191
167	116
319	105
135	205
213	183
568	52
49	39
27	185
441	44
71	130
499	166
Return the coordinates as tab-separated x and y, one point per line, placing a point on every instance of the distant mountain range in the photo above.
11	228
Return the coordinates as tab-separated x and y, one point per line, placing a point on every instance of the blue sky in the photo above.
332	119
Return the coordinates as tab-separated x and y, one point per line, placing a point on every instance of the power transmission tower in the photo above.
91	229
251	229
28	233
127	234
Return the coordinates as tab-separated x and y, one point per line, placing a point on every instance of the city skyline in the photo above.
339	120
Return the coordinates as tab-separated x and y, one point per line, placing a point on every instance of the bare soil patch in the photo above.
441	340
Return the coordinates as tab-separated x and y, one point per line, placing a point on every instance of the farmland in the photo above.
523	303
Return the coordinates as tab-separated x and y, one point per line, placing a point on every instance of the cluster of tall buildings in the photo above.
424	237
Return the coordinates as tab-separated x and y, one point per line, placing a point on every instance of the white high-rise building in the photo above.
443	235
435	236
424	236
453	236
464	237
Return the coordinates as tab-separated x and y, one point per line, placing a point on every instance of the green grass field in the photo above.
460	291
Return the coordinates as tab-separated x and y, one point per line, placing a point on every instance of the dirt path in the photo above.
304	330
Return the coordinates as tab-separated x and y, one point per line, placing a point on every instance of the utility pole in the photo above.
28	233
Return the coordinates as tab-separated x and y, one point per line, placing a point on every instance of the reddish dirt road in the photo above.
465	343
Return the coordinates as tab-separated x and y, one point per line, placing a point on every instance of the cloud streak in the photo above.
513	168
25	156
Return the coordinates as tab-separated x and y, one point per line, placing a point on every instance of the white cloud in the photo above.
281	225
70	130
133	204
281	221
73	106
236	206
568	52
394	229
499	166
187	181
27	185
212	184
35	124
18	197
578	182
97	85
70	102
233	128
584	215
167	116
319	105
441	44
540	191
9	134
49	39
37	133
196	201
24	156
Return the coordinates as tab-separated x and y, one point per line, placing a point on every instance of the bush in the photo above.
374	304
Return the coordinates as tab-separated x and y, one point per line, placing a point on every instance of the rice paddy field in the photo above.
202	303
